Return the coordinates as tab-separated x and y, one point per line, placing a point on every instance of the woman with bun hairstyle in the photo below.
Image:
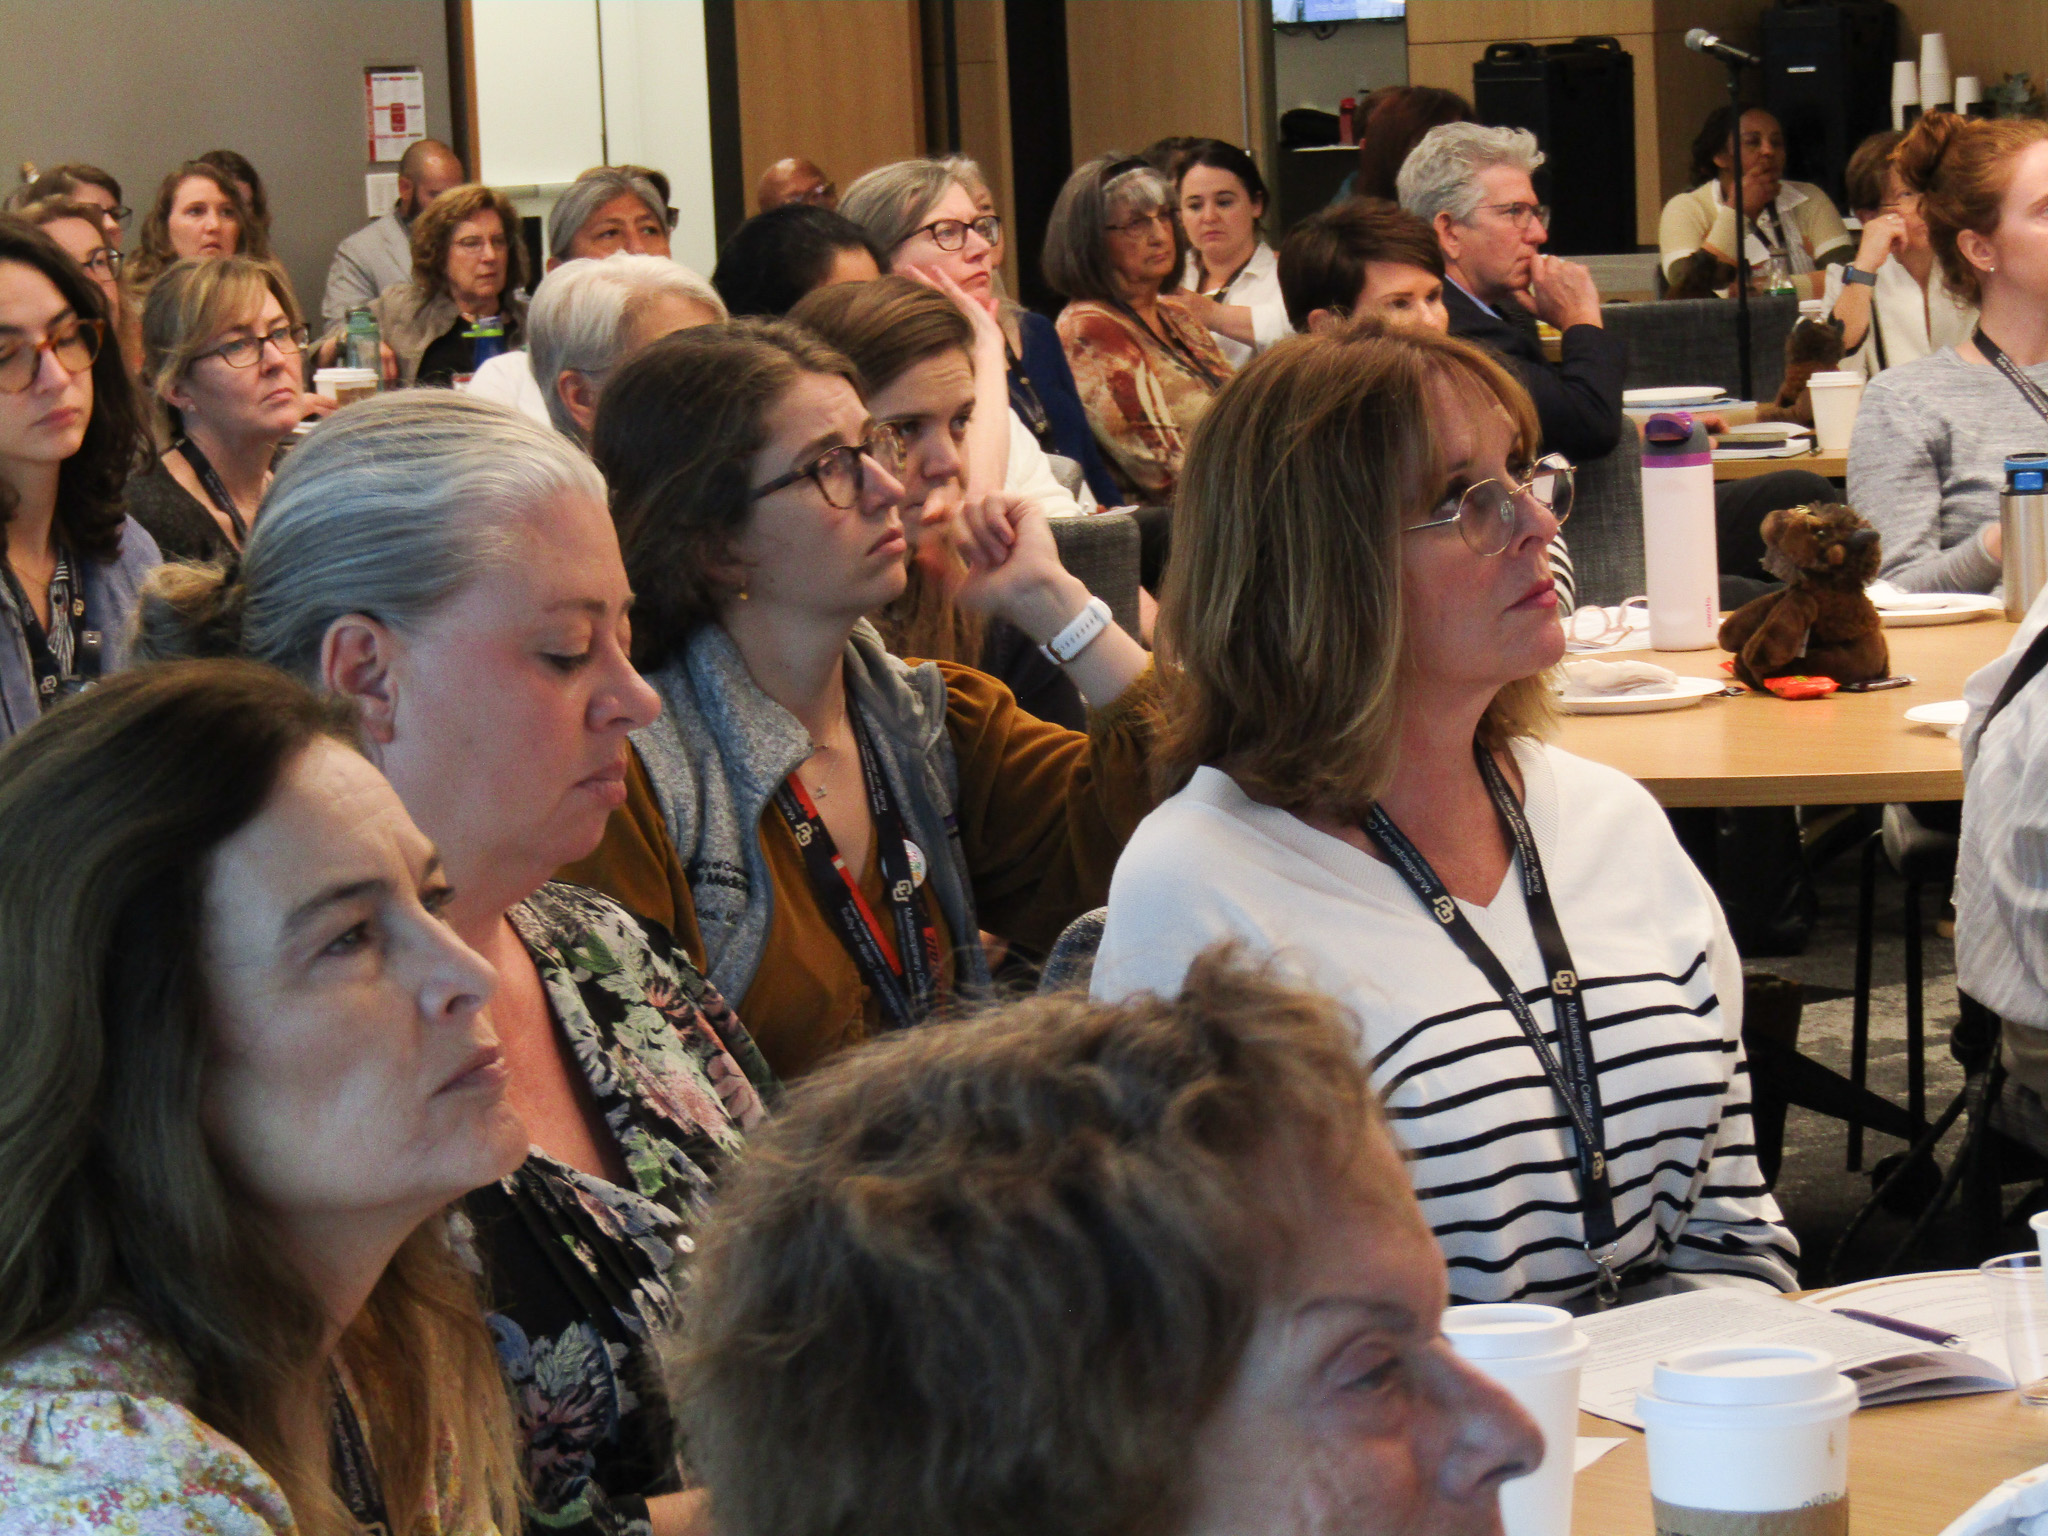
447	565
1927	461
70	428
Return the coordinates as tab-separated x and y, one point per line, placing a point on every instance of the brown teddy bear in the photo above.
1821	624
1813	346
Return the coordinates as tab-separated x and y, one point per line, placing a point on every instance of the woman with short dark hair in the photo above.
1145	368
1232	279
1361	257
777	257
70	429
1791	222
1356	631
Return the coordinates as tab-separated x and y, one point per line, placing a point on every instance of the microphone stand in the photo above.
1741	230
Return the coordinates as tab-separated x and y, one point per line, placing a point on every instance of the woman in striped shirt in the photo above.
1359	617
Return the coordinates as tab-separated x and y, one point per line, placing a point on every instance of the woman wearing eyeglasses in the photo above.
223	347
1145	367
70	427
468	264
826	828
81	228
1358	623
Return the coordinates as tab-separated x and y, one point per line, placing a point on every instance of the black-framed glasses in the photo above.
104	262
1519	214
74	343
244	351
841	473
1485	514
951	234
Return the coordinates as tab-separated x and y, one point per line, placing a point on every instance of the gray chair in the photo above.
1070	966
1692	341
1605	532
1103	551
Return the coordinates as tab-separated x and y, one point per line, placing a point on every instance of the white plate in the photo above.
1938	608
1949	712
1677	394
1686	691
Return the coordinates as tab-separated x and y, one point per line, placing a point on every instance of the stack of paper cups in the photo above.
1969	91
1935	90
1905	90
1535	1353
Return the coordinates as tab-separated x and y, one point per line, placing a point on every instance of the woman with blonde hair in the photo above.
223	347
248	1068
1927	460
1357	625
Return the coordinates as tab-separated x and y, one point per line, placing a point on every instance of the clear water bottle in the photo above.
486	339
363	340
1679	557
1778	274
2023	522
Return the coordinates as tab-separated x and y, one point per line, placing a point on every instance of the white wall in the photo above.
541	118
1359	56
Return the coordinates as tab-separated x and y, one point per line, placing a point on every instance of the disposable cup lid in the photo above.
1508	1330
1745	1374
345	375
1831	379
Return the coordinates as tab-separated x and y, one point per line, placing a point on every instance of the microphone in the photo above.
1700	40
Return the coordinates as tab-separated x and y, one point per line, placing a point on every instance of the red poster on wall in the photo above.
396	103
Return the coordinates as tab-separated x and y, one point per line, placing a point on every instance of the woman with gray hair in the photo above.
607	210
586	318
449	567
1145	367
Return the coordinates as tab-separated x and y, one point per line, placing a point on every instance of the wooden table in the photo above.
1831	466
1913	1467
1846	749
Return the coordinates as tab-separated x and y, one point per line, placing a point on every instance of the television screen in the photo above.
1294	12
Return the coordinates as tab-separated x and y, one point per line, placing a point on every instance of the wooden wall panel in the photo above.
837	82
985	107
1459	21
1143	69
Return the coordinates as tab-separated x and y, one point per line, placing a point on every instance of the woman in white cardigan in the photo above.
1891	299
1359	618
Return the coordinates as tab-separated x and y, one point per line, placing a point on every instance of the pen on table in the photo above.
1939	1336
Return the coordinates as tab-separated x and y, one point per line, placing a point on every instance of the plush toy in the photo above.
1822	624
1813	347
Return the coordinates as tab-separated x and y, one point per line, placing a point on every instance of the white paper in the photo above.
1886	1366
380	191
397	101
1591	1448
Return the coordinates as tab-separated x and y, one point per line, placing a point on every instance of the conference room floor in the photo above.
1818	1195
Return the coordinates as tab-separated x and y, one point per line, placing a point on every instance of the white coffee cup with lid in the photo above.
1836	397
1759	1429
343	385
1535	1353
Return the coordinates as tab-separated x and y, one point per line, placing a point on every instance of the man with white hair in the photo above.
586	318
1471	184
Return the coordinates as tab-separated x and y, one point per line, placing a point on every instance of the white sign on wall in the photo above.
397	102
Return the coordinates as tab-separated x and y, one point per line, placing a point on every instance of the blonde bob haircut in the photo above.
191	304
1281	622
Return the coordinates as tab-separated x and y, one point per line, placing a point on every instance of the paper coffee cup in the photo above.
2039	1222
342	385
1535	1353
1748	1440
1905	90
1836	397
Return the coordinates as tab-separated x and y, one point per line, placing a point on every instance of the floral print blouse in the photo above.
95	1436
1143	395
580	1272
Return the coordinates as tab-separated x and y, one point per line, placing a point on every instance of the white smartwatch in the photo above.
1080	632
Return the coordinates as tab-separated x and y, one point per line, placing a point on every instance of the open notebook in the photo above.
1887	1366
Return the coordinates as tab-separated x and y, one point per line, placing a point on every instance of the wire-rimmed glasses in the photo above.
1485	515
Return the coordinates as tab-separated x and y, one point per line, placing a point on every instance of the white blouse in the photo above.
1905	324
1256	288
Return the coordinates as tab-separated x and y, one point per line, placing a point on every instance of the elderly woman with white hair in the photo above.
450	568
1146	369
587	317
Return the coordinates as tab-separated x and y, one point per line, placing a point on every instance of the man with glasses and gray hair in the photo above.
1471	184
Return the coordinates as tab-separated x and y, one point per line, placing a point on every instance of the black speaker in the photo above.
1578	98
1828	80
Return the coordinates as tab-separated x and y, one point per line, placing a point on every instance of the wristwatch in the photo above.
1074	639
1853	274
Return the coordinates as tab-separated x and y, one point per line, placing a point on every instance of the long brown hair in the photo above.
1962	169
110	1195
886	328
1281	623
153	249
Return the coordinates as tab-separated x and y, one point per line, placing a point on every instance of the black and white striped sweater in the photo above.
1490	1144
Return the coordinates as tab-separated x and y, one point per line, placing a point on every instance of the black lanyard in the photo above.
355	1475
1222	294
1174	347
209	477
65	658
1571	1068
1995	355
1024	398
903	975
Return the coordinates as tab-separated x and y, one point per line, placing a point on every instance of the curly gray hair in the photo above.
1441	174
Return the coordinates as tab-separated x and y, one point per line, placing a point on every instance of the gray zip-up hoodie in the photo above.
722	746
110	589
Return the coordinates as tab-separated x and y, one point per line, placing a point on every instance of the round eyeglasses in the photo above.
74	343
951	234
841	473
1485	513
